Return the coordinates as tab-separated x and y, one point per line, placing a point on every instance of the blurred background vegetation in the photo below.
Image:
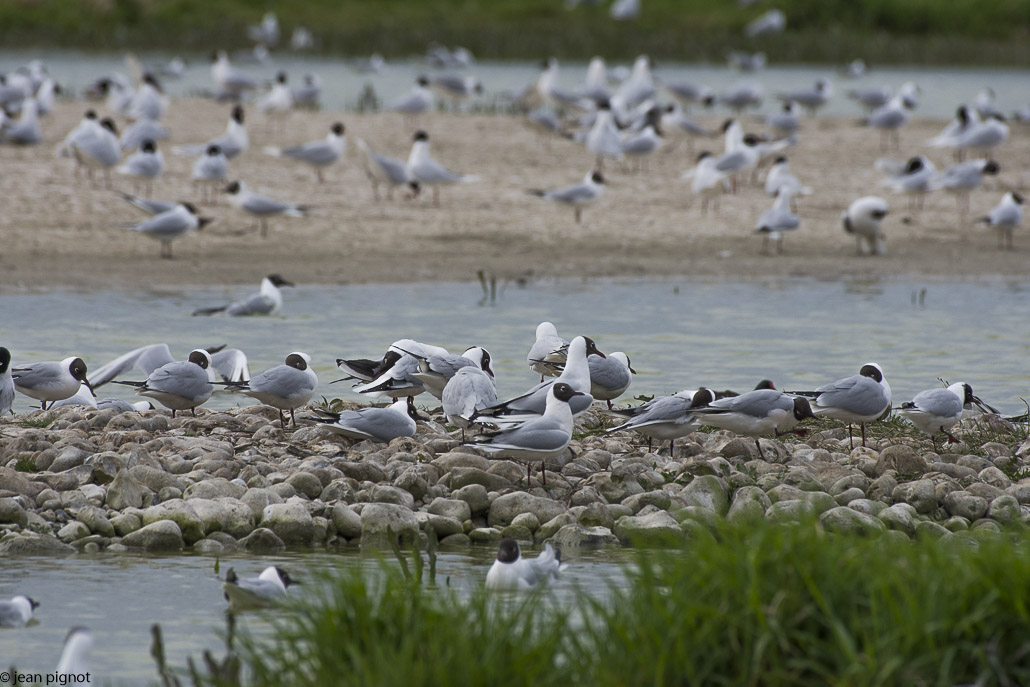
974	32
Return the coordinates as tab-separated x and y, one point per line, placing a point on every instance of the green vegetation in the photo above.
898	31
769	605
40	422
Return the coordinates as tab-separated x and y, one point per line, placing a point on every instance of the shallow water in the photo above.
679	333
944	88
119	597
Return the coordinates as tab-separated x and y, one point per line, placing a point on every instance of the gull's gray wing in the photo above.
231	365
939	402
317	153
260	205
395	170
255	304
608	373
146	359
182	378
756	403
469	390
432	172
577	193
857	394
283	381
542	434
168	223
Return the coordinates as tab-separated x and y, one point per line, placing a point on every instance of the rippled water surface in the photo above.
678	333
943	87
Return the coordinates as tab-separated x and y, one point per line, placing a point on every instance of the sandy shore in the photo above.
60	230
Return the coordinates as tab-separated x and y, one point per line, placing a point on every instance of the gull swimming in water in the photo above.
251	593
512	571
17	611
267	301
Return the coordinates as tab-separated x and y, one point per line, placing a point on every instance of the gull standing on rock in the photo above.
6	382
512	571
1005	217
665	417
864	219
318	154
284	387
938	410
470	389
378	424
756	413
267	301
577	195
610	376
179	385
260	206
50	381
540	438
860	398
170	225
426	171
576	374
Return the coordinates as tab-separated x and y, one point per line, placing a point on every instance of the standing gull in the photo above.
50	381
179	385
428	172
318	154
171	224
860	398
260	206
1005	217
864	220
577	195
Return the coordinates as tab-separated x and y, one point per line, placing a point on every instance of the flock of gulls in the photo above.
622	117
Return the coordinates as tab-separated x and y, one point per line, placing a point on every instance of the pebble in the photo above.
223	481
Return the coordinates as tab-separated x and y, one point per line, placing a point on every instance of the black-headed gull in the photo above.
171	224
578	195
17	611
513	572
6	382
757	413
50	381
1005	217
318	154
859	398
267	301
251	593
864	220
179	385
378	424
261	207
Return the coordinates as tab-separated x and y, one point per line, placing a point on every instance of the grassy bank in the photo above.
769	605
881	31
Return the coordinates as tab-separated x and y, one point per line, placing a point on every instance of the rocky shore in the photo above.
86	480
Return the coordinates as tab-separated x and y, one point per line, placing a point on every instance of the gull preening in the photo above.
864	220
1005	217
378	424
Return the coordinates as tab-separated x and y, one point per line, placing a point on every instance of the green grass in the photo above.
38	422
898	31
768	605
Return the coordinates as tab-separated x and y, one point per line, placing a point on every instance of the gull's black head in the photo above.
214	149
149	78
871	371
237	114
604	104
421	135
199	358
5	359
592	347
277	280
285	577
108	124
803	410
597	178
148	146
702	155
77	369
32	602
232	188
508	551
280	77
779	159
564	392
702	397
991	168
422	81
413	411
296	360
765	384
914	165
189	206
337	128
1017	197
91	114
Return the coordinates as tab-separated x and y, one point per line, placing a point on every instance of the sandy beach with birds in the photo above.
61	230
